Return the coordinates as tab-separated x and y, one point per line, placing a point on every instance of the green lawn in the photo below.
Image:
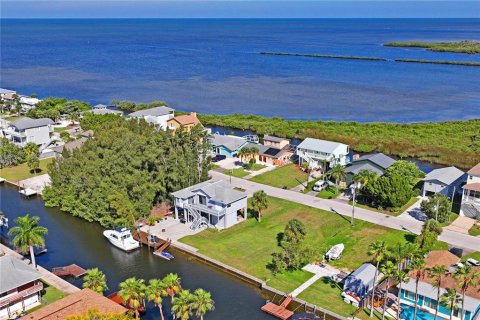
258	166
474	255
475	230
22	171
329	193
50	294
248	246
327	293
453	216
13	118
287	176
392	212
60	129
237	172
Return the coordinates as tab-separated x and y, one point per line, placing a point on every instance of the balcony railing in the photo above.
472	200
21	295
207	208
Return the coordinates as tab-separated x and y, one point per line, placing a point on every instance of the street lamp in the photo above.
354	187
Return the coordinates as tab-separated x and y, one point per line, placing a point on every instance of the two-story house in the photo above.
210	203
471	194
446	181
28	103
376	162
275	151
187	121
27	130
20	287
157	116
315	152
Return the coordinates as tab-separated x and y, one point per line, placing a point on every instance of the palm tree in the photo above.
451	299
182	305
95	280
338	173
242	153
28	234
132	292
467	277
378	250
172	285
437	273
388	269
418	265
156	290
259	202
401	276
365	177
202	303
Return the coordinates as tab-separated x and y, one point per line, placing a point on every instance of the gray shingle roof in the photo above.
15	273
356	168
233	143
319	145
445	175
28	123
379	159
157	111
218	190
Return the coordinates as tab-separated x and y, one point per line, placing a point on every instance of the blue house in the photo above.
226	145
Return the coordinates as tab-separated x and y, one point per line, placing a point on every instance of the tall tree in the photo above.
400	276
28	234
418	267
450	298
156	290
295	231
428	237
437	273
388	269
437	207
259	203
31	149
182	306
338	173
132	291
173	284
365	177
378	250
467	277
202	303
95	280
33	163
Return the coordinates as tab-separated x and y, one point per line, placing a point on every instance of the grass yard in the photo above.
237	172
248	246
258	166
60	129
326	292
474	230
329	193
287	176
393	212
22	171
311	184
50	294
474	255
13	118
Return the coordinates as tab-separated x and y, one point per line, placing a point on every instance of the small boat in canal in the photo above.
122	238
164	255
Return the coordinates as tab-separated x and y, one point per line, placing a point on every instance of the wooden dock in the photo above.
69	271
163	247
27	192
279	311
149	239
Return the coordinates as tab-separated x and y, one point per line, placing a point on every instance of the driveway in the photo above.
461	224
453	238
414	213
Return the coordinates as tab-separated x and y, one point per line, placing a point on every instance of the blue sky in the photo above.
239	9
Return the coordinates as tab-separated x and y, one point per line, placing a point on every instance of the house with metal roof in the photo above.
213	203
227	145
359	284
470	206
376	162
446	181
315	152
427	291
27	130
102	111
20	287
157	116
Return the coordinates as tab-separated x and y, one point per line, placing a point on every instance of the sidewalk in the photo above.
409	225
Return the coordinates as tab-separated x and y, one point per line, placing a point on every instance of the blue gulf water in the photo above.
213	66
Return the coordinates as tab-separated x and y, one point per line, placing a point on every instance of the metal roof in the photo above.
15	273
155	112
379	159
28	123
445	175
356	168
106	111
365	273
218	190
232	143
99	106
320	145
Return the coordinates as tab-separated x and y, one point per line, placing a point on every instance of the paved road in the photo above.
456	239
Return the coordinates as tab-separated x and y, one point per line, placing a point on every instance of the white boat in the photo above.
122	239
335	252
164	255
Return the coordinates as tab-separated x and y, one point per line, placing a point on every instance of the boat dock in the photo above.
279	311
27	192
149	239
69	271
163	247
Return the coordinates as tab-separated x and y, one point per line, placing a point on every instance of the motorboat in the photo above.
121	238
335	252
164	255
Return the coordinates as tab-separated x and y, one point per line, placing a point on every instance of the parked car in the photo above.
473	262
219	157
320	185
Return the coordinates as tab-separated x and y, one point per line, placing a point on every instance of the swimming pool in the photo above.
408	311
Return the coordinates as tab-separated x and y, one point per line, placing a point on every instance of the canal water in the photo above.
74	240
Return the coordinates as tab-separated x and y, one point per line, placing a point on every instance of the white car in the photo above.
473	262
320	185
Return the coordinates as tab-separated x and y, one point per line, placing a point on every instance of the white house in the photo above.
315	151
157	116
27	130
6	93
20	287
471	194
446	181
28	103
210	203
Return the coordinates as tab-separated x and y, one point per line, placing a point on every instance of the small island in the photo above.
466	46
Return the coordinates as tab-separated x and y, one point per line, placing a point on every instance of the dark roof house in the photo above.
376	162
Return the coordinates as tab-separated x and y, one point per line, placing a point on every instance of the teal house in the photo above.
227	145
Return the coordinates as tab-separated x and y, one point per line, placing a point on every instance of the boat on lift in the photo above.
122	238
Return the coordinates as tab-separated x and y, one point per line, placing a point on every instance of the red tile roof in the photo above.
475	171
472	186
187	119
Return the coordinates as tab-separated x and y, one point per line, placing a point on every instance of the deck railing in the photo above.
21	295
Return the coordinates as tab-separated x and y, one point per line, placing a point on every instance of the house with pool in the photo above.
427	292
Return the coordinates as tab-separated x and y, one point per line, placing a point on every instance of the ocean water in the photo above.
213	66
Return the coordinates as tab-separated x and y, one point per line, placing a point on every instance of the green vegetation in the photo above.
471	47
449	143
22	171
10	154
437	207
50	294
54	107
129	166
95	280
475	230
130	106
287	176
237	172
457	63
329	193
394	211
94	122
315	55
475	255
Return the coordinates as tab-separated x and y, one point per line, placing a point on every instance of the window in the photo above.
202	200
409	295
430	303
